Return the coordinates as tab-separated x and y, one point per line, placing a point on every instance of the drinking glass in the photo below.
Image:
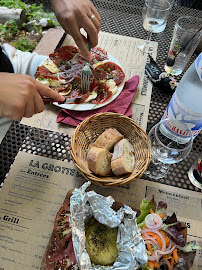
154	14
186	37
195	172
169	142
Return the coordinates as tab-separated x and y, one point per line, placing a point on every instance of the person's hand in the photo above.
21	96
74	15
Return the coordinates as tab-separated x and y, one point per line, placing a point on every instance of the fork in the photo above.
86	73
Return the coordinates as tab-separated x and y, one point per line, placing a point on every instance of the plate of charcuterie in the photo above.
61	71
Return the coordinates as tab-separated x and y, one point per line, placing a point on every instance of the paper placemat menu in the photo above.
35	189
133	62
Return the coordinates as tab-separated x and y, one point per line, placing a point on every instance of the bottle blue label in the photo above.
176	110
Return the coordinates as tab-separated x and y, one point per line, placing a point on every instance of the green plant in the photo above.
38	29
24	45
13	4
33	12
9	29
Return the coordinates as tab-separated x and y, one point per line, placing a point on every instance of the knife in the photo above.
67	100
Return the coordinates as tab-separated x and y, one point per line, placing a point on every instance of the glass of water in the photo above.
186	37
154	14
169	142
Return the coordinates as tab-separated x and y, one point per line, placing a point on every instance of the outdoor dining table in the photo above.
36	169
121	17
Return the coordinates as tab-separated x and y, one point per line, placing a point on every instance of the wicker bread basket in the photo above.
89	130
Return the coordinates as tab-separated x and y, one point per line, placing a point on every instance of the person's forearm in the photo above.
21	96
22	62
74	15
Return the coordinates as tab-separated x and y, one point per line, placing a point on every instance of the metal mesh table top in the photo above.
121	17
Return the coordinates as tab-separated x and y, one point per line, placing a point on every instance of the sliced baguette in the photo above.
99	161
108	139
123	159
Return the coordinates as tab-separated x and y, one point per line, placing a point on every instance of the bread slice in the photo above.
99	161
108	139
123	159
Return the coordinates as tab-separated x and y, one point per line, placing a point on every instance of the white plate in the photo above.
89	106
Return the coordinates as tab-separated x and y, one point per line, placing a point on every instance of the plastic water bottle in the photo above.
186	102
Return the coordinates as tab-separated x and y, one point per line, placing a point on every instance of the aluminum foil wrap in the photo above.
130	244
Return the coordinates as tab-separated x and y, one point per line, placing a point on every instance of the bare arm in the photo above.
74	15
21	96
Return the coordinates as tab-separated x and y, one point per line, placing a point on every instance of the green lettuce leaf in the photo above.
145	207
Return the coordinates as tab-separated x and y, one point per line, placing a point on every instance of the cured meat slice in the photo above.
99	54
103	93
62	55
109	70
43	72
61	258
